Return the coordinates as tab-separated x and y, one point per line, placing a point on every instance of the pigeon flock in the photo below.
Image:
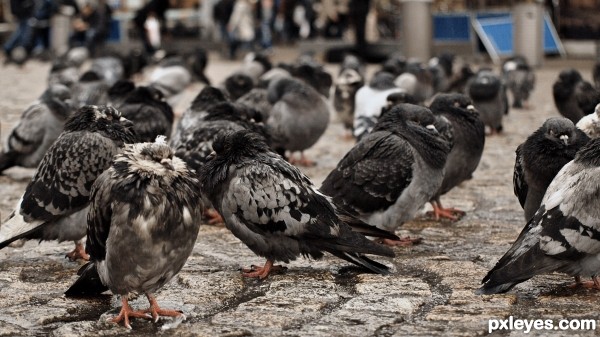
118	166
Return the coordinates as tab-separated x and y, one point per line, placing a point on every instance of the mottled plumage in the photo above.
150	200
151	115
41	123
393	171
540	158
55	202
590	124
519	79
574	97
564	233
277	212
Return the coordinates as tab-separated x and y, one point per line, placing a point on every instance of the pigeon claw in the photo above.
404	242
303	161
593	284
451	214
78	253
214	218
126	313
155	310
262	272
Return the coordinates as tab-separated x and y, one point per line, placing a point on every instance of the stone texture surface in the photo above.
429	293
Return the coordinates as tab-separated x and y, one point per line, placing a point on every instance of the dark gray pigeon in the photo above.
55	203
563	234
171	77
574	97
389	175
40	125
150	200
468	140
540	158
596	75
151	115
299	117
519	79
257	99
63	73
441	69
119	91
277	212
349	80
90	90
590	124
489	98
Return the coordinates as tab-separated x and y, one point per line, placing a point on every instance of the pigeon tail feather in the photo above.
17	228
88	284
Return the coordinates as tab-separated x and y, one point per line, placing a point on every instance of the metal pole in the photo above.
417	28
528	39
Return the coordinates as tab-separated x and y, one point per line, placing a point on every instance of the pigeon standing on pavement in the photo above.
590	124
563	234
40	125
519	79
276	210
150	200
393	171
489	98
540	158
468	140
55	203
151	115
574	97
349	80
299	117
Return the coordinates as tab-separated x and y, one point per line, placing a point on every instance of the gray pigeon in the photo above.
150	200
540	157
257	99
349	80
109	68
171	77
519	79
277	212
90	90
40	125
468	140
393	171
299	117
150	114
563	234
63	73
489	98
590	124
574	97
56	200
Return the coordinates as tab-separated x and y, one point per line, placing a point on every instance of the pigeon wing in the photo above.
28	135
520	186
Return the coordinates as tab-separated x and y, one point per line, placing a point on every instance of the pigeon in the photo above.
238	84
40	125
241	81
590	124
197	63
540	158
417	81
563	234
171	77
110	69
90	90
257	99
596	75
151	115
441	71
393	171
194	115
574	97
277	212
489	98
369	101
468	140
119	91
519	79
299	117
314	75
395	64
55	203
350	79
63	73
150	200
459	81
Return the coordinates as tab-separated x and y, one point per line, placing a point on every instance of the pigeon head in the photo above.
59	100
382	80
238	84
121	88
442	101
240	144
395	65
406	114
207	97
560	130
570	76
103	119
486	85
150	160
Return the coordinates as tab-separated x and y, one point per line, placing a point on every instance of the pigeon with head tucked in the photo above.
563	235
393	171
151	115
540	158
55	203
489	98
150	200
277	212
40	125
574	97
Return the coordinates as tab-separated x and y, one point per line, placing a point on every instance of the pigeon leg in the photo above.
303	161
593	284
156	311
440	212
405	242
262	272
126	312
214	218
78	252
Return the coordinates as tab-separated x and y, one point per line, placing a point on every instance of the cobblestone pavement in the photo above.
429	293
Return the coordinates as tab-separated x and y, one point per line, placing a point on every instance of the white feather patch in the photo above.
161	140
551	247
581	242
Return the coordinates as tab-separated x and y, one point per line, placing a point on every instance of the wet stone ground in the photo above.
429	293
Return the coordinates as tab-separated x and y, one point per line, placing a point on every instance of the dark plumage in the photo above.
41	123
90	90
257	99
574	97
151	115
393	171
563	234
596	75
150	200
197	63
349	80
238	84
540	158
277	212
417	80
519	79
489	98
441	69
119	91
468	140
55	202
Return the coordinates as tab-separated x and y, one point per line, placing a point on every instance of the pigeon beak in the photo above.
471	107
431	127
167	163
565	139
126	122
211	156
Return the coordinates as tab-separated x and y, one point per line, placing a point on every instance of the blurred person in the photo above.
359	9
241	26
265	11
154	13
21	10
92	26
221	14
